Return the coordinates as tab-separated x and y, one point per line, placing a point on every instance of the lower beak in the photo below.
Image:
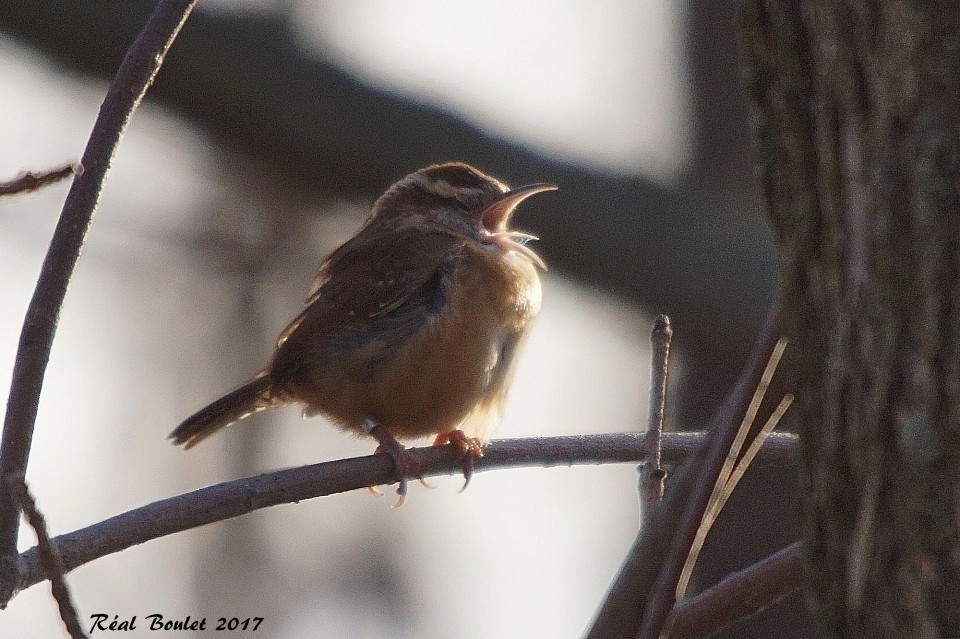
496	216
515	241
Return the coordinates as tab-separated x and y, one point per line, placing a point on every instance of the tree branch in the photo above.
31	181
651	474
137	71
50	560
727	425
739	595
240	496
662	545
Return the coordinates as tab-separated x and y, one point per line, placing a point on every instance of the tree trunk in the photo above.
857	122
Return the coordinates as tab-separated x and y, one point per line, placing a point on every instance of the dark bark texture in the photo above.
857	123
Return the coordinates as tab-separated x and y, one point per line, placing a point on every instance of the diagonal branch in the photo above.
50	559
739	595
726	428
662	545
241	496
136	73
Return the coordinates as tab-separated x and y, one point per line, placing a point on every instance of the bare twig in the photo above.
30	181
240	496
136	73
727	424
50	559
621	613
651	473
779	449
739	595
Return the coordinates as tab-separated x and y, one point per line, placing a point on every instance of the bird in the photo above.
412	327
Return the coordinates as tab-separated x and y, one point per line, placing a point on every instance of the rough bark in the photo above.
857	120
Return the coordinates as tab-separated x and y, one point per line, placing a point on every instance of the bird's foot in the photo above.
405	463
470	448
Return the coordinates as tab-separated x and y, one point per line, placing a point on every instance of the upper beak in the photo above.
496	215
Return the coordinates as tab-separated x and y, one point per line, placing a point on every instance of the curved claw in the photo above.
405	463
470	448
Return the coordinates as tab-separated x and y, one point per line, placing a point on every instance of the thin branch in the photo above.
29	181
136	73
739	595
651	473
50	559
726	426
240	496
779	449
621	613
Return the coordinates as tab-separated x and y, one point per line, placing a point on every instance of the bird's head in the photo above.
461	200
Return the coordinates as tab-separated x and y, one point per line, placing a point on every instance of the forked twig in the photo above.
661	547
727	424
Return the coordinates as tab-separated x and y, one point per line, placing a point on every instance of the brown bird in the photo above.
412	327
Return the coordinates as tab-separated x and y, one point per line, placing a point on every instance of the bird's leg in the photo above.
470	448
405	463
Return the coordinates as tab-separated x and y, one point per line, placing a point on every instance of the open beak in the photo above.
496	216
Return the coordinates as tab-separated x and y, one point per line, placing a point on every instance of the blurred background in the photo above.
271	129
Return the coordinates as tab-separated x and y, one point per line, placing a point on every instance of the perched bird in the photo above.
413	325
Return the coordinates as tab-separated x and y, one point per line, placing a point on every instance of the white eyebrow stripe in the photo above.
445	189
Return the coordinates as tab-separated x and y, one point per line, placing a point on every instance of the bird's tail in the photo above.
253	397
